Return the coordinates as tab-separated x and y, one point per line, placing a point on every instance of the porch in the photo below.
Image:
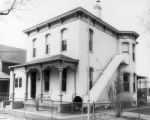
49	79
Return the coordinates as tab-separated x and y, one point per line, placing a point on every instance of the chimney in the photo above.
98	9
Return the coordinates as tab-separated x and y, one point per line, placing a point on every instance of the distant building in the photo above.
8	56
74	55
143	91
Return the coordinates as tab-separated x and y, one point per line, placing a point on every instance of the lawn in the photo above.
142	110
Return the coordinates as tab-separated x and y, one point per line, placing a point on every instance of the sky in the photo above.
122	14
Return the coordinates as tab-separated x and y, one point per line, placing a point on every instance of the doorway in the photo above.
33	85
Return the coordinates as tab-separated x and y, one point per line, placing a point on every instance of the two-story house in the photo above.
74	57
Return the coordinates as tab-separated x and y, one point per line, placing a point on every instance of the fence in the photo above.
53	108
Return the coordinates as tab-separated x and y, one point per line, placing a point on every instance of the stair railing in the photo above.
100	74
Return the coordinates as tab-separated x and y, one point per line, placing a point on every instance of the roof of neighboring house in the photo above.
141	77
12	54
53	58
4	75
80	11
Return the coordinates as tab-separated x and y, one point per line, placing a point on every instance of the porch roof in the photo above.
3	75
53	58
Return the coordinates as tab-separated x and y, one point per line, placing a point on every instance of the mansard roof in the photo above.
81	13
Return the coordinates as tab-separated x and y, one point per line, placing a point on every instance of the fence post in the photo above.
93	110
52	109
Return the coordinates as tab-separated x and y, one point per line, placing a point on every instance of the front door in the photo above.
33	84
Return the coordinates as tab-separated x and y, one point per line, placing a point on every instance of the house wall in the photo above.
55	41
104	48
20	91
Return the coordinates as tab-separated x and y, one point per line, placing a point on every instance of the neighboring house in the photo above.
143	89
8	56
75	55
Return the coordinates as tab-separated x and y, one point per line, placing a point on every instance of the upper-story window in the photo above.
64	39
34	47
125	47
133	52
47	44
90	40
91	76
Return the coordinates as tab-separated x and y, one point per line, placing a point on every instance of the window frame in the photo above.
128	49
18	82
34	49
47	44
133	53
126	82
91	70
63	40
64	80
91	33
46	80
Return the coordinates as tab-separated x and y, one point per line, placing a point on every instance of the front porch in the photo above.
49	79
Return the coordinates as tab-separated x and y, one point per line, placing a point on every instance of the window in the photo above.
64	39
90	40
34	48
46	80
64	79
126	82
47	44
91	76
18	82
125	47
133	52
134	80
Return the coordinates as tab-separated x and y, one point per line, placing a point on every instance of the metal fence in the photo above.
53	108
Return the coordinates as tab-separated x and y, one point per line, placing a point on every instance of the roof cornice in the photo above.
79	12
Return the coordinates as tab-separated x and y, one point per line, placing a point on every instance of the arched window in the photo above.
64	39
47	44
125	47
34	47
126	82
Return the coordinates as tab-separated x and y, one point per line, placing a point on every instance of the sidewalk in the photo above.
12	114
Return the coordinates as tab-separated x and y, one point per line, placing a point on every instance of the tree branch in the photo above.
6	12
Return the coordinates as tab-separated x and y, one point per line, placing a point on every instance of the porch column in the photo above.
13	92
41	79
60	83
26	87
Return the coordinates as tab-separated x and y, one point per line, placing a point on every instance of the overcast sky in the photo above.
122	14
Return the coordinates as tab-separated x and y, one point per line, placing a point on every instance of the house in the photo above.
8	56
75	57
143	95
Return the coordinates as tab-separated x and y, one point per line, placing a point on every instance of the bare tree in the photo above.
145	19
114	94
8	6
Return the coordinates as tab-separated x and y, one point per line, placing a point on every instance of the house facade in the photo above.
75	57
8	56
